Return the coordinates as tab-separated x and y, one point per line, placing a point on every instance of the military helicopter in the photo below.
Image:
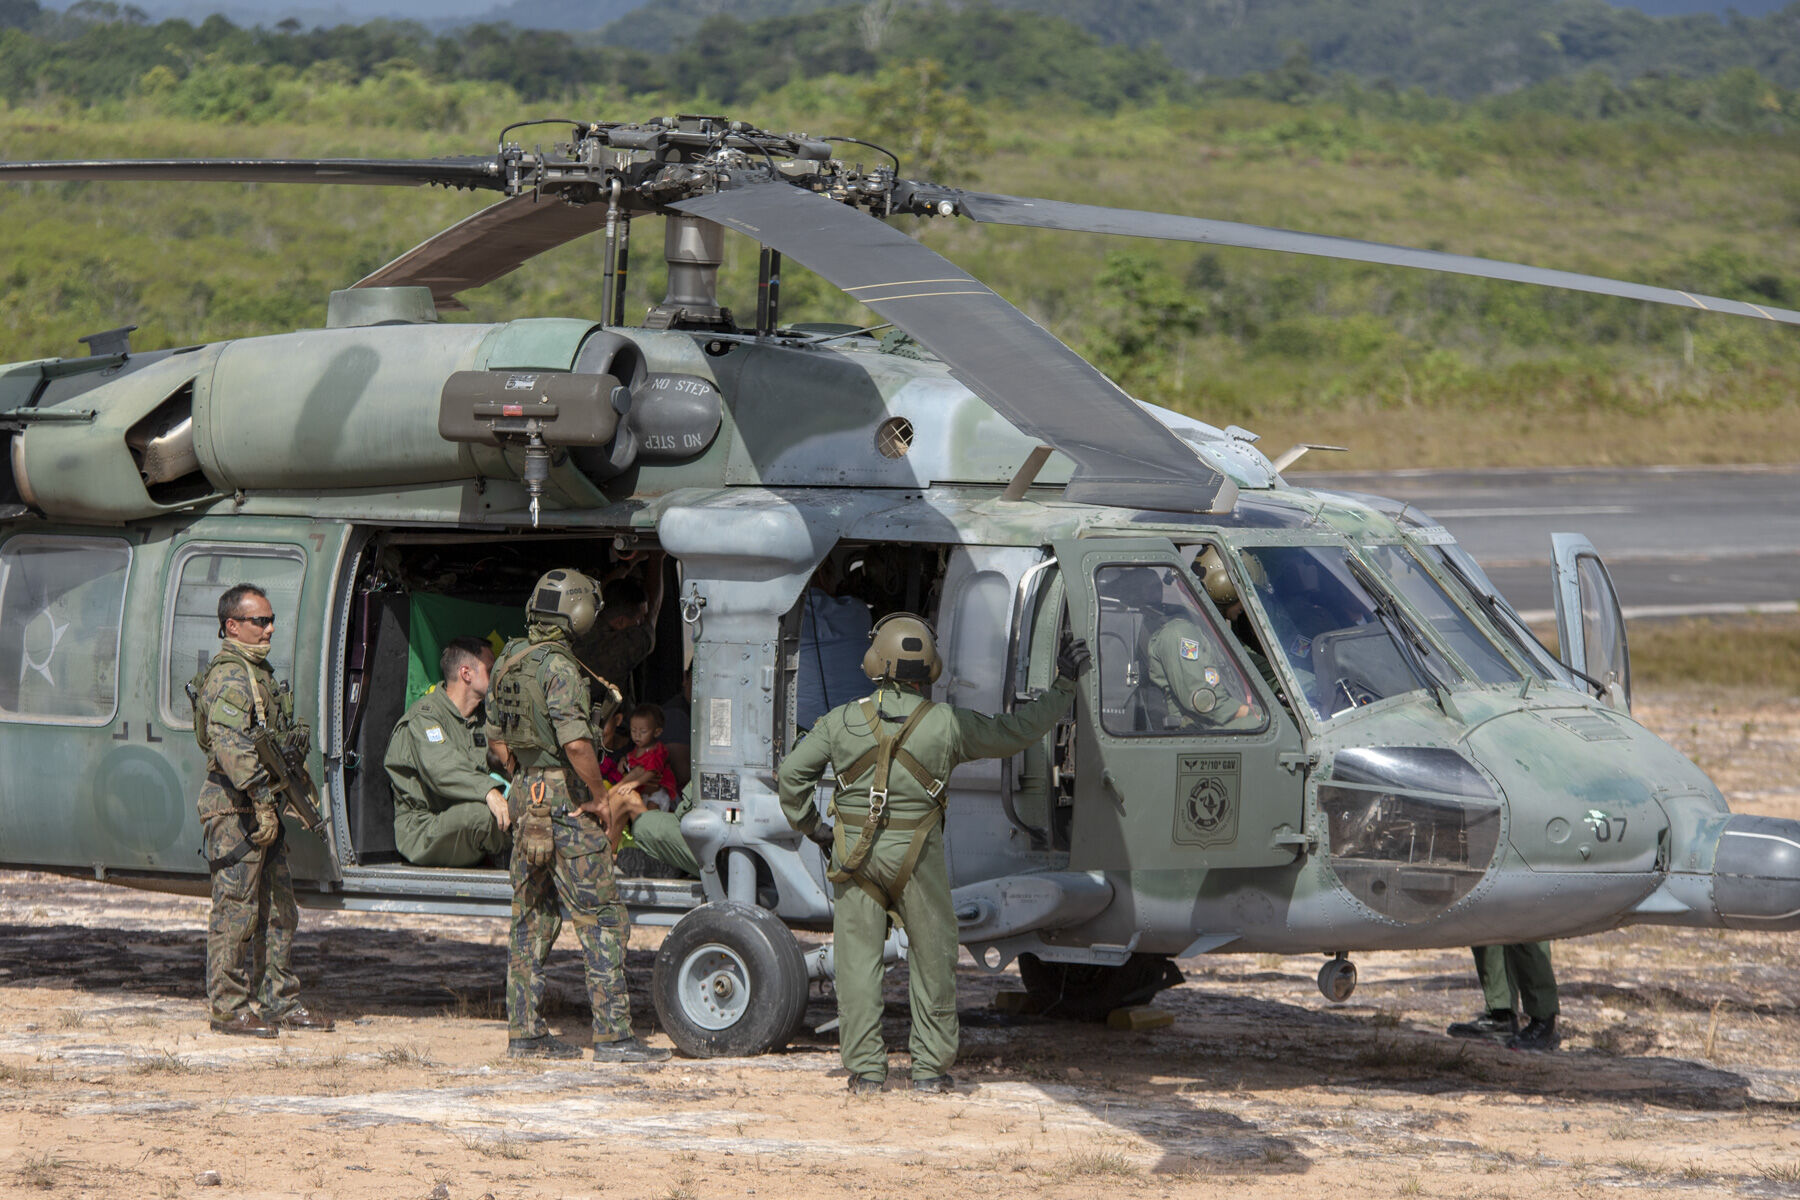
1403	766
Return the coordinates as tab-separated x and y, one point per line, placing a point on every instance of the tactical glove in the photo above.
1073	657
536	842
268	826
821	836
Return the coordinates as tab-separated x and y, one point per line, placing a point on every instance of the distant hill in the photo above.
1465	49
665	22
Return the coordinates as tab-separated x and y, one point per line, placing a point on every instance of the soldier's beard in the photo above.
256	653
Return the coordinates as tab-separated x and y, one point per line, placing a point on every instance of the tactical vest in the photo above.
273	705
521	707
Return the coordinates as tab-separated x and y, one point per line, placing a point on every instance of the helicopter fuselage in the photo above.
1397	765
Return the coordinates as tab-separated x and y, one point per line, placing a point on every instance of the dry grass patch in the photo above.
1108	1164
45	1171
405	1056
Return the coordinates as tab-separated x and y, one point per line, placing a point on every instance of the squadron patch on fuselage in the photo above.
1206	799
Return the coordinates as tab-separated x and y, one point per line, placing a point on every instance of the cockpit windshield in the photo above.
1452	624
1337	634
1468	573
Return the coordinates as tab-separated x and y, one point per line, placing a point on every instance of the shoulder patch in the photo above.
434	733
1212	676
1190	649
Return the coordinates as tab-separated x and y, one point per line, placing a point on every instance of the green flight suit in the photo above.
537	703
1518	974
437	765
943	739
250	933
658	834
1200	686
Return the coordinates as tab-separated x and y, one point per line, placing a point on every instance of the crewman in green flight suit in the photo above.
893	754
1512	976
448	811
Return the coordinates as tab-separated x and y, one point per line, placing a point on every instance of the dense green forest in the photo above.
1464	48
1691	183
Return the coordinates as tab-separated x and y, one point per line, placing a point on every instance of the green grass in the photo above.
1759	652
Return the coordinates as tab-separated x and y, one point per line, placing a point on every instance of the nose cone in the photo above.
1756	874
1585	787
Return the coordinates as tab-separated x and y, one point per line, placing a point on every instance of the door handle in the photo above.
1112	789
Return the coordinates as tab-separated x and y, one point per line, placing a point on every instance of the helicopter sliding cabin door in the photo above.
1590	625
1183	758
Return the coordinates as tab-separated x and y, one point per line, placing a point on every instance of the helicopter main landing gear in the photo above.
1337	978
729	981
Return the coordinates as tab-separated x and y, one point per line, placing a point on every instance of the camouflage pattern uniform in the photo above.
945	738
250	937
538	702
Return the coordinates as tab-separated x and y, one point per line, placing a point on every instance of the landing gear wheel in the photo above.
1089	991
729	981
1337	979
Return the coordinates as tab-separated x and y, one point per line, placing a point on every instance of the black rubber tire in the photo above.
775	977
1089	991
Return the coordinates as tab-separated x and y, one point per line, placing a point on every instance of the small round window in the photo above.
894	438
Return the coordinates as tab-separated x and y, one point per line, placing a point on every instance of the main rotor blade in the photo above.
469	172
1123	455
1092	218
492	243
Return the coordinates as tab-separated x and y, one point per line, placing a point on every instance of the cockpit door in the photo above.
1184	759
1590	625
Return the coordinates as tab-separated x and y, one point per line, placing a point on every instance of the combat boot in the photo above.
245	1023
541	1046
936	1084
302	1017
1495	1023
1538	1034
628	1050
863	1085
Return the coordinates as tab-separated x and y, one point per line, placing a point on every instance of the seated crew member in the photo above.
1219	585
1185	664
447	810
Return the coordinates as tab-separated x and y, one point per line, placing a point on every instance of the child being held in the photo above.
648	759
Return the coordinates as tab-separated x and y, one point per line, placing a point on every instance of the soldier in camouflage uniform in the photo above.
538	709
251	934
899	744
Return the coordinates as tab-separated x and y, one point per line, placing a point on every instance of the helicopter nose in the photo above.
1756	873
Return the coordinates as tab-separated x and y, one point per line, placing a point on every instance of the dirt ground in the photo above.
1681	1068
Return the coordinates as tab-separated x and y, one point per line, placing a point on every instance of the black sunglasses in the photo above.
259	622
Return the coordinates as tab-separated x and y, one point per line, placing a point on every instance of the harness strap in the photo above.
886	748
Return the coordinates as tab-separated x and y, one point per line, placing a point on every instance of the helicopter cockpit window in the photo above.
60	607
1331	629
1452	624
1163	668
192	620
1474	582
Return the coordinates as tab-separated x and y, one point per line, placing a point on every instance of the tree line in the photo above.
99	52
